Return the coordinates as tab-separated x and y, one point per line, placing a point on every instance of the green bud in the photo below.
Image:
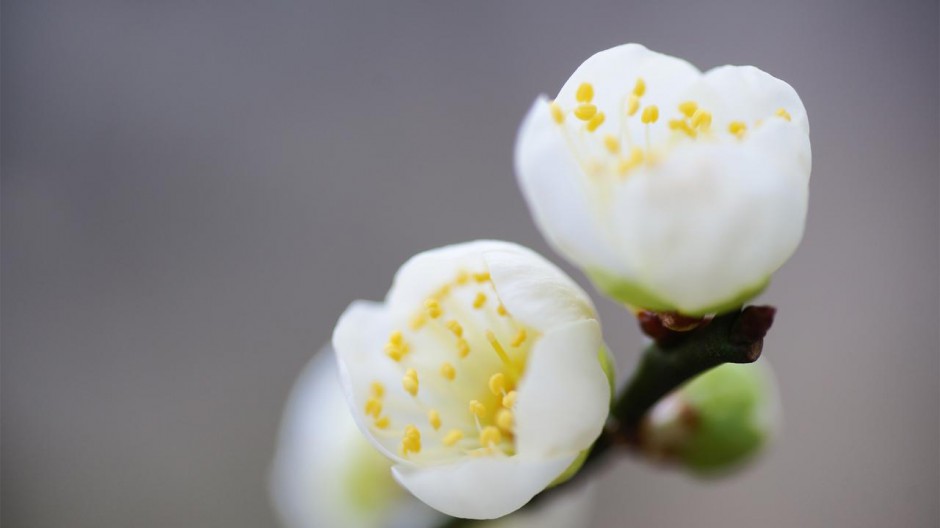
715	422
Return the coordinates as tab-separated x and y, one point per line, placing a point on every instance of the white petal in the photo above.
358	339
613	73
482	487
559	194
573	507
716	220
564	396
535	291
427	271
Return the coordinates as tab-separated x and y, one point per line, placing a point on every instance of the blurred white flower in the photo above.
339	480
482	376
674	190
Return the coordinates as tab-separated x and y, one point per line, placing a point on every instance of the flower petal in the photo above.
559	193
535	291
551	420
482	487
716	220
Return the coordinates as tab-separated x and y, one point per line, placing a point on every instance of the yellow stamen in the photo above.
640	87
417	321
396	337
504	419
701	119
481	277
396	352
479	300
509	399
650	114
635	159
557	113
448	371
781	112
433	308
596	121
410	382
585	112
434	418
688	108
462	277
738	128
501	310
497	347
463	348
611	143
633	104
477	409
490	436
378	390
411	440
681	125
497	383
452	437
373	407
382	423
519	339
585	93
455	327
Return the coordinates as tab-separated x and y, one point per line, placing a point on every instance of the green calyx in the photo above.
634	294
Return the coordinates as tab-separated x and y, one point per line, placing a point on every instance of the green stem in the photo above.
735	337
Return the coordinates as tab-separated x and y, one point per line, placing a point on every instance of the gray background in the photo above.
194	191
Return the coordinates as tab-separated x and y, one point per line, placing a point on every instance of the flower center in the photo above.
461	358
618	155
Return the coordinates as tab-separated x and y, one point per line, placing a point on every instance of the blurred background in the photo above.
194	191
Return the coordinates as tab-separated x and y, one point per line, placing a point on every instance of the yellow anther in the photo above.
630	163
633	104
481	277
504	419
490	436
373	407
463	348
498	383
688	108
497	347
501	310
462	277
396	337
519	339
738	128
681	125
396	352
640	87
410	382
557	113
448	371
477	409
650	114
585	93
611	143
596	121
442	292
411	440
452	437
433	308
701	119
417	321
378	390
382	423
479	300
585	112
455	327
781	112
509	399
434	418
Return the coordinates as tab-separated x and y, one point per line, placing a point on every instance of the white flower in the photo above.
325	473
321	480
674	190
482	376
